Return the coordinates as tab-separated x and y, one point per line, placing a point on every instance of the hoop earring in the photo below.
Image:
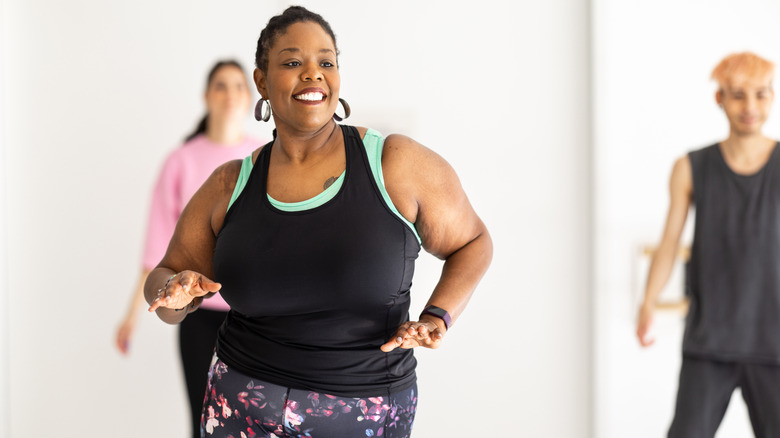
347	111
260	114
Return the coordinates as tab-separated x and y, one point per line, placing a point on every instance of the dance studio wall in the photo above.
654	102
96	93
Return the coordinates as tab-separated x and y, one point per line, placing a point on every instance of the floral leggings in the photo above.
237	406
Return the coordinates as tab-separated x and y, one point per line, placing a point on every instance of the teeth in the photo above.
310	96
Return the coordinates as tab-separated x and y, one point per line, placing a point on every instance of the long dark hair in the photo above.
203	124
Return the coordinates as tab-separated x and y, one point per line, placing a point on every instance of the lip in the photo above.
311	90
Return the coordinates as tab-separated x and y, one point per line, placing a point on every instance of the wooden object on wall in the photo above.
681	305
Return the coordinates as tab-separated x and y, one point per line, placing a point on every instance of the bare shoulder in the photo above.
400	150
224	177
218	188
682	164
682	168
681	181
361	130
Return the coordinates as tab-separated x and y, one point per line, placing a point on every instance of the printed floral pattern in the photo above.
237	406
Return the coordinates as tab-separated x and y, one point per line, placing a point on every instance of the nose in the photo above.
751	103
312	73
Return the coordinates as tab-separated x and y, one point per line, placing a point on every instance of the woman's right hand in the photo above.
125	333
182	289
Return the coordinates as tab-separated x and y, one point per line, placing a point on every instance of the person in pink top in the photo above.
218	138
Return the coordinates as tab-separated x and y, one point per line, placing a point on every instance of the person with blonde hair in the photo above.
731	334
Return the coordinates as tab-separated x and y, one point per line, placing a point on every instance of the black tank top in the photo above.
733	276
314	293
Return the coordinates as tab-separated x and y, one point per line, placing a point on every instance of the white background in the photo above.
95	94
568	169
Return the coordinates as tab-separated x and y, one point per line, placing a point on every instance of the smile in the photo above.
310	97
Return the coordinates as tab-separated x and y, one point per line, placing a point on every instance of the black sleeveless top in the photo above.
733	276
315	293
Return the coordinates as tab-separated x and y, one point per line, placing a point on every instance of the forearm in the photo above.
138	300
461	273
660	270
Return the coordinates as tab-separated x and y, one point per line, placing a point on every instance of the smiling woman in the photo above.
312	241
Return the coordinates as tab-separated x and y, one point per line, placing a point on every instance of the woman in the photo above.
312	240
218	138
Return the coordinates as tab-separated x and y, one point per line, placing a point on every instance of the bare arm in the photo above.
680	193
187	266
125	331
428	193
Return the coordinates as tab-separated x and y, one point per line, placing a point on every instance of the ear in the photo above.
719	97
260	83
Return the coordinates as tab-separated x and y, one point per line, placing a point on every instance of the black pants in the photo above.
197	337
705	390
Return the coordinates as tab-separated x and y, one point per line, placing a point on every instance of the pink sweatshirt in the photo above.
184	171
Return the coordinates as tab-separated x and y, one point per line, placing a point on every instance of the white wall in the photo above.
4	371
653	103
96	93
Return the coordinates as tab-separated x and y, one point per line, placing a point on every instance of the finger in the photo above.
392	344
208	285
163	301
155	304
433	339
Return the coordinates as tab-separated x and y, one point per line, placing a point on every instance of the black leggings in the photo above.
237	406
197	337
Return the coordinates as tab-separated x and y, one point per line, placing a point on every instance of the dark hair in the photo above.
278	26
203	124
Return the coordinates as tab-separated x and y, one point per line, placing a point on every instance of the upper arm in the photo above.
427	192
194	237
680	198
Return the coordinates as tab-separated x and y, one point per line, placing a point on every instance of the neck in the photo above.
225	132
739	143
298	147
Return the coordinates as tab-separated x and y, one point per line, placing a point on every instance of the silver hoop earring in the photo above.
263	114
347	111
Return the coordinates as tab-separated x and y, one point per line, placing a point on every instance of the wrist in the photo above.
435	321
191	306
439	314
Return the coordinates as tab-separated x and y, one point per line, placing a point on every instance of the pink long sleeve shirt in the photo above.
182	174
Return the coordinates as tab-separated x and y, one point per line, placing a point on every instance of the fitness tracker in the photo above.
439	313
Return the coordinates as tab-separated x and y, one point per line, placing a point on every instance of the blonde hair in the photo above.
744	64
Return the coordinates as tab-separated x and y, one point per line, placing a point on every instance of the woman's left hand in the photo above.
413	334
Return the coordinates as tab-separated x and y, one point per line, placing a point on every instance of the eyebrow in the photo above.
296	50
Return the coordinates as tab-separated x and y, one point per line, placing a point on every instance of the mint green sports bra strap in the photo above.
374	142
243	177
